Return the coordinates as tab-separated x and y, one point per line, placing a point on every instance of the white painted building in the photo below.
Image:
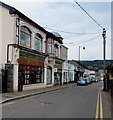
65	72
31	56
68	72
71	72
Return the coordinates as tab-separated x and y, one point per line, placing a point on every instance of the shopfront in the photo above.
31	70
49	75
58	71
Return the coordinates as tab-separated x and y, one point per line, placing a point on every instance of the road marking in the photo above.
9	103
99	108
28	98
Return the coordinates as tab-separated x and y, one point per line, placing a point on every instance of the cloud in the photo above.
69	17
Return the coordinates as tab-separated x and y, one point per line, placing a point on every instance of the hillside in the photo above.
98	64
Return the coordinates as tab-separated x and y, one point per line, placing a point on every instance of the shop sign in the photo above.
30	56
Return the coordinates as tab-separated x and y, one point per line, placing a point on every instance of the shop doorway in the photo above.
49	75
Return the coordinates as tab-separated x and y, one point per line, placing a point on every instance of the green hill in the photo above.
98	64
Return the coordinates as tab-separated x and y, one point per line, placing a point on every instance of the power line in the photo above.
87	40
88	14
70	32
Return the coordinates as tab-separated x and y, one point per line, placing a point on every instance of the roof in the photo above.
86	67
12	10
53	36
57	34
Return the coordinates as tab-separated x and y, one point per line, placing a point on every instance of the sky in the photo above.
55	15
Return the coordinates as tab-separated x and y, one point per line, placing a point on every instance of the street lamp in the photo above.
79	51
104	58
79	55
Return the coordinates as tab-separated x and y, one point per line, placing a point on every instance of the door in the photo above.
20	80
49	75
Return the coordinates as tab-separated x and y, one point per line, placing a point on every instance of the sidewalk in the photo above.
106	104
7	97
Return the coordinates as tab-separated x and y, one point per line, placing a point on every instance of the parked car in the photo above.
88	81
94	80
81	81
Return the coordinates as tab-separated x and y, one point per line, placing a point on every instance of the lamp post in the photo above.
104	58
79	52
79	56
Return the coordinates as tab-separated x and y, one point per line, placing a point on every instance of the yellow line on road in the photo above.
101	108
97	107
9	103
28	98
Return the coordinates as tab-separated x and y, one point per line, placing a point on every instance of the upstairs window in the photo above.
50	45
25	36
38	42
56	50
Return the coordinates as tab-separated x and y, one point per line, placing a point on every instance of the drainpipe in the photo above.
17	29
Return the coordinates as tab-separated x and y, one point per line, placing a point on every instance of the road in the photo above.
71	102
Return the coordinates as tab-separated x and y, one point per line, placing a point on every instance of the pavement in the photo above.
106	97
106	104
11	96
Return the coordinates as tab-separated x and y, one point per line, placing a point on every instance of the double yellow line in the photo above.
99	108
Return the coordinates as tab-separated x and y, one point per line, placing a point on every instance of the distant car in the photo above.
81	81
88	81
94	80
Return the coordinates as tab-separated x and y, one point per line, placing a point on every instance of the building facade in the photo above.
31	56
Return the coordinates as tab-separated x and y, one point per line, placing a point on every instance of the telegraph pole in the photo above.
104	58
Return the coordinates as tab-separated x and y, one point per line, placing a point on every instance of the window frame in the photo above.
26	72
39	38
56	50
50	45
25	34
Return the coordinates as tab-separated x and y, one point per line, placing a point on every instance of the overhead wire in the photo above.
70	32
88	14
86	40
81	33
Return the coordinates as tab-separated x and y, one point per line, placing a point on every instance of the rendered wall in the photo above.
8	33
0	37
64	53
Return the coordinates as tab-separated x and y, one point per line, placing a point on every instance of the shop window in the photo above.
30	74
39	77
38	42
26	77
25	36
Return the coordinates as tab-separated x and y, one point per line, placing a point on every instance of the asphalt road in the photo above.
72	102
